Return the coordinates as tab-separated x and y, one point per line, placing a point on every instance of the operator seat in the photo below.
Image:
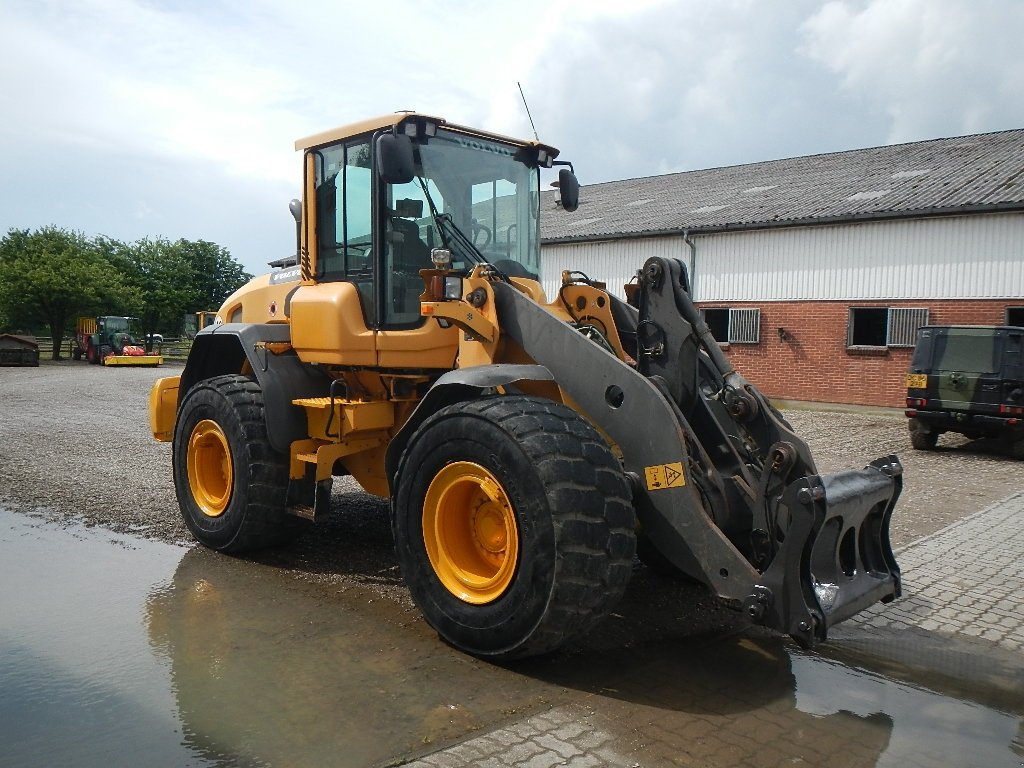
408	252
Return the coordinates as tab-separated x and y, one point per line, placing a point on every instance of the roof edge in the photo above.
846	218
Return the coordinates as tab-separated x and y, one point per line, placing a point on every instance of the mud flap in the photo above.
835	559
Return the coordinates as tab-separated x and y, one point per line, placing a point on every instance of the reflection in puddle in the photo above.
757	700
119	651
269	668
932	729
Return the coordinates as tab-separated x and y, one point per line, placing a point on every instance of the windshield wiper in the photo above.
450	231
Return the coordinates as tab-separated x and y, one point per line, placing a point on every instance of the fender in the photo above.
225	348
454	387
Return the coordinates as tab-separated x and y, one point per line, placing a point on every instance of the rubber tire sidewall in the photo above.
205	401
520	609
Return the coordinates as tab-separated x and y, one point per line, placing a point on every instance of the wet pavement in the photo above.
934	679
118	651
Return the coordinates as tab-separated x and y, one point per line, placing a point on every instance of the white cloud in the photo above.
934	68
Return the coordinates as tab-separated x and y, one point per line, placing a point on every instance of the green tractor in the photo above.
110	340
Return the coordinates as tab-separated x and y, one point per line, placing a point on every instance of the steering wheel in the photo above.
477	228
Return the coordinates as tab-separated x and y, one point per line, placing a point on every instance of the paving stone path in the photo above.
966	580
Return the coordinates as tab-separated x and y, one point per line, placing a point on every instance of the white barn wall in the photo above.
975	256
614	262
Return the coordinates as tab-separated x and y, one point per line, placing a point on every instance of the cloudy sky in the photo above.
177	118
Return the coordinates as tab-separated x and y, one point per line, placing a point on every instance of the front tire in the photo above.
230	482
513	525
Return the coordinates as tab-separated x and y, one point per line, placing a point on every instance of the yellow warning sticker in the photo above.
662	476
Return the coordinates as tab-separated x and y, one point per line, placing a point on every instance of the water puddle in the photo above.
756	700
119	651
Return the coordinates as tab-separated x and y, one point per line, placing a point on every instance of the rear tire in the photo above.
921	437
1014	447
513	525
230	482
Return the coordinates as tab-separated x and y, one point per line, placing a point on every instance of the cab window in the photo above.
344	204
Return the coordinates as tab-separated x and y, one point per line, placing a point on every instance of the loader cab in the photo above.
377	203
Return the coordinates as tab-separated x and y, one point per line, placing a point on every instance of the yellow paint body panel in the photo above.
258	301
328	326
429	346
163	407
133	360
349	417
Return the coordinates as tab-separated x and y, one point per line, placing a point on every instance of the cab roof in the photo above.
396	118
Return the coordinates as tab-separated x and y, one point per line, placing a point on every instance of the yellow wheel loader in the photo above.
526	442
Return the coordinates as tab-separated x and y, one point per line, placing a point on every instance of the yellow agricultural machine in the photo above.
527	443
110	340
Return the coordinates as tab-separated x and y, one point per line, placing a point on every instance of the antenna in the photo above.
528	111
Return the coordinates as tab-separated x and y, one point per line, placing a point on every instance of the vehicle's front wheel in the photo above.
921	437
513	525
230	482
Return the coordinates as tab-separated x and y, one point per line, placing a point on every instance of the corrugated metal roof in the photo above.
980	172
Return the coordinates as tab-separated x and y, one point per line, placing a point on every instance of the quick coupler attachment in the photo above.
835	558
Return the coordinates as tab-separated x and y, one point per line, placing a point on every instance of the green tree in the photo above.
174	278
215	275
160	276
52	275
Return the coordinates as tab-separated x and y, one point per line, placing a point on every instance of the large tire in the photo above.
1014	446
921	437
230	482
513	525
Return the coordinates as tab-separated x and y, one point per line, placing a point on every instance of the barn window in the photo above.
903	325
718	321
1015	316
732	325
884	326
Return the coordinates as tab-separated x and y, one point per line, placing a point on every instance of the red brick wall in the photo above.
814	363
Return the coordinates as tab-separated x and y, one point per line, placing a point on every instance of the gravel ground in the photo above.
75	445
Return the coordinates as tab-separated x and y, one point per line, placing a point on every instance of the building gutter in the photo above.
847	218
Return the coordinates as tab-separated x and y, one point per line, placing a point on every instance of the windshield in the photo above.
116	324
485	199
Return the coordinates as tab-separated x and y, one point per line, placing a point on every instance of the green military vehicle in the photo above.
967	379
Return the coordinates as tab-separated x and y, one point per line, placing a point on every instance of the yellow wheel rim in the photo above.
470	533
210	474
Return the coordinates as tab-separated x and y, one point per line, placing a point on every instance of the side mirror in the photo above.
569	190
395	159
